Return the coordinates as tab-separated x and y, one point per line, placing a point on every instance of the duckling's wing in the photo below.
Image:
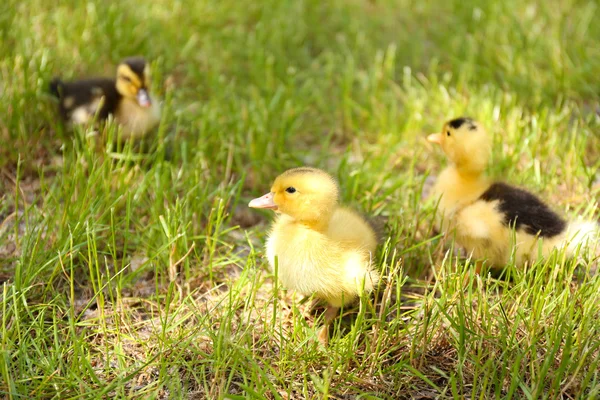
524	210
479	221
348	226
82	100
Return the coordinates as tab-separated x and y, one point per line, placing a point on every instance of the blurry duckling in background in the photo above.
320	247
482	214
126	98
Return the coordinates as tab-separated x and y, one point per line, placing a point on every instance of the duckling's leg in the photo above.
478	267
314	304
330	313
310	309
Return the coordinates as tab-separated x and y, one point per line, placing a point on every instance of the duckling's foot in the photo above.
323	335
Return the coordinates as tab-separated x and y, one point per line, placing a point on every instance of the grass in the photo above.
140	273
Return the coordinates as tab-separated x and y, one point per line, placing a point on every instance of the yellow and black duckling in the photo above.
482	214
126	98
320	247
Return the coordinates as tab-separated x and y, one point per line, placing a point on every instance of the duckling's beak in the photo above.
143	98
265	201
435	138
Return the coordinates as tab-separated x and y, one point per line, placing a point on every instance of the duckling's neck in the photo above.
315	218
471	166
468	174
459	186
317	222
136	120
319	225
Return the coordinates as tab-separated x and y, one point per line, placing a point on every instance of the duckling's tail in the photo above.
583	236
378	225
56	87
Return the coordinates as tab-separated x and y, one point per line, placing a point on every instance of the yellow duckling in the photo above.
320	247
482	214
126	98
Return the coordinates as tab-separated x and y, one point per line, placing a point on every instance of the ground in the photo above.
138	271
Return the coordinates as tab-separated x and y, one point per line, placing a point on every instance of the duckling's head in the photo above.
466	143
133	80
306	194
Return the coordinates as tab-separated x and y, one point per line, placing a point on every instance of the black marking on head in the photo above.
458	122
522	209
137	65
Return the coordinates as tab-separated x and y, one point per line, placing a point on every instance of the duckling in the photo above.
483	214
126	98
319	247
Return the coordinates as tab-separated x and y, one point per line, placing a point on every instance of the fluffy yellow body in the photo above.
334	264
136	121
478	225
478	220
318	247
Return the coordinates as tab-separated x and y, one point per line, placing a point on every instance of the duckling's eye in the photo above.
126	78
448	133
291	190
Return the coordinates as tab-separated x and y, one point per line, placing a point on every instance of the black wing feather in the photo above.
84	92
522	209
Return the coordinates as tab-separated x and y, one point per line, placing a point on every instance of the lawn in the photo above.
138	271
